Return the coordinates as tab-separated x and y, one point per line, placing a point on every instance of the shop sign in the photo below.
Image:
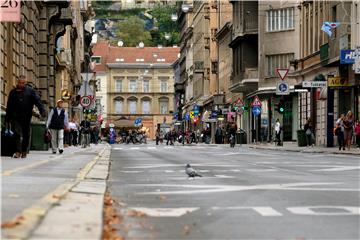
10	11
347	56
338	82
225	111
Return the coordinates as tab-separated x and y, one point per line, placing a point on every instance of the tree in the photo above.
162	14
132	32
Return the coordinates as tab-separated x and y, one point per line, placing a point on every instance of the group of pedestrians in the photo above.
19	112
183	137
345	130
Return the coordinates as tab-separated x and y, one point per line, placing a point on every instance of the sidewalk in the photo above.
47	196
293	147
288	146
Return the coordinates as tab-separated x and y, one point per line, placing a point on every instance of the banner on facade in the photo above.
10	11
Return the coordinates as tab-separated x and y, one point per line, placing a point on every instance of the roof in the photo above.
133	55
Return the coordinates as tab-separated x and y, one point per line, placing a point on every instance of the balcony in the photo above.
246	81
250	24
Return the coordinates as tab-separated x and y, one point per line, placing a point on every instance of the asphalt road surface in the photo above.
243	194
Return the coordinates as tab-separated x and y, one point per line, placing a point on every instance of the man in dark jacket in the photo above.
19	108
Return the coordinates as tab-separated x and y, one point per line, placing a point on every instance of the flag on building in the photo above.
327	26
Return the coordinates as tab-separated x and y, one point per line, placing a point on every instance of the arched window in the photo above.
119	105
132	105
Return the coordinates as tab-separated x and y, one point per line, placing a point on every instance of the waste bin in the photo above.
37	137
301	138
241	137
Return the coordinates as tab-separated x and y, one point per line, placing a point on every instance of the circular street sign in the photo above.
85	101
283	87
256	111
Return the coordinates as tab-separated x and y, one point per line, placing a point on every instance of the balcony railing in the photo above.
250	23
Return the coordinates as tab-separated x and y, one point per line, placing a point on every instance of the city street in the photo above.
243	194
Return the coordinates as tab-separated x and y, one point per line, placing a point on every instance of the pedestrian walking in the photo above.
157	136
74	129
85	133
357	133
348	129
218	135
57	122
19	108
309	132
340	123
277	129
340	135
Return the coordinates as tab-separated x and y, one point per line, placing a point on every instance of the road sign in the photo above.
256	102
192	114
314	84
138	121
282	88
239	103
282	72
196	109
256	111
85	101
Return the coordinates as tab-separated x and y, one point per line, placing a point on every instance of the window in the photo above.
278	61
132	107
132	86
280	19
163	86
118	85
96	59
118	106
146	107
146	86
164	103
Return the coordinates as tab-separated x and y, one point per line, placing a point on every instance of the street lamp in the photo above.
174	17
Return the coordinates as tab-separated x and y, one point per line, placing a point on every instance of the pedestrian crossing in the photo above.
127	148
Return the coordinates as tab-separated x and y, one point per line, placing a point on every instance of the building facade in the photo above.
278	22
27	48
140	84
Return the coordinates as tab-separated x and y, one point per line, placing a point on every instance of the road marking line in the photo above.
118	148
151	147
263	211
308	210
223	176
131	171
261	170
165	212
337	169
302	186
134	148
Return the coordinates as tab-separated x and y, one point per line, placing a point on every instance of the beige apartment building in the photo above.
279	35
140	84
320	60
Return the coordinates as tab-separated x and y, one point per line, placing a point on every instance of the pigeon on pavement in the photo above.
191	172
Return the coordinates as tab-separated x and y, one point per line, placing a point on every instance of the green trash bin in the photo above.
241	137
37	137
301	138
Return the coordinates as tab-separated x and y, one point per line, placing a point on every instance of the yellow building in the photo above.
140	84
